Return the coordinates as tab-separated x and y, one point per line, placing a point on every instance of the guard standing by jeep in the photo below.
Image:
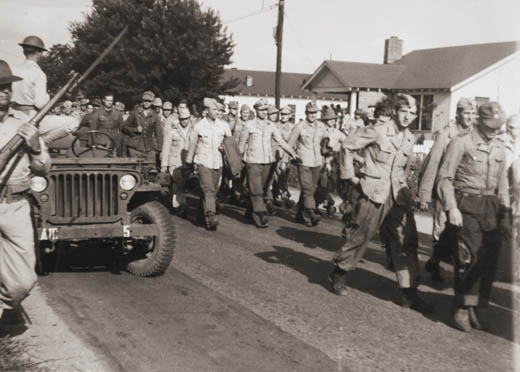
473	189
177	130
204	152
256	146
17	255
143	128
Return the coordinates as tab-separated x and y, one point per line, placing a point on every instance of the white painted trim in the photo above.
485	71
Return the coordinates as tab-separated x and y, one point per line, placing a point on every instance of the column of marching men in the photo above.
248	156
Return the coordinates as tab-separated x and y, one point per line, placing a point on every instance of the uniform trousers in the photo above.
308	177
443	234
258	182
281	178
209	181
17	256
477	249
397	223
179	175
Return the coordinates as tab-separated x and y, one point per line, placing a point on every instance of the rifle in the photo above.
15	146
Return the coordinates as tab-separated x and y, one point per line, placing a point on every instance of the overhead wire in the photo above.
258	12
299	40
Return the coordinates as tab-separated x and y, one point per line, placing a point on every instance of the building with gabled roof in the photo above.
436	77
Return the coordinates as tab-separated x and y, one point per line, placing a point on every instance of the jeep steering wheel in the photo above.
91	144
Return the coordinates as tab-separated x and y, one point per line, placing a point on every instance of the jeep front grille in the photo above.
84	195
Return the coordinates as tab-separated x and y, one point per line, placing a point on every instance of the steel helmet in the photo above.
33	42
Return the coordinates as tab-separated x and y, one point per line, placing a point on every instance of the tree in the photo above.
173	48
57	66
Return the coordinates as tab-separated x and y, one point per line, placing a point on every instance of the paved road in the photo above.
247	299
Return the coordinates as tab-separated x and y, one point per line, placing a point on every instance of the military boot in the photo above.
339	281
432	266
211	221
461	319
314	217
475	321
410	299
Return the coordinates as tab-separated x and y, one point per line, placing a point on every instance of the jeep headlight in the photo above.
127	182
38	184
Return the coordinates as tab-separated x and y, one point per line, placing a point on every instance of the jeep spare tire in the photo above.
151	256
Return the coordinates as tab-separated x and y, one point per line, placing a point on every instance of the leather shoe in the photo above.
339	281
315	218
263	220
434	269
461	320
211	221
410	299
474	321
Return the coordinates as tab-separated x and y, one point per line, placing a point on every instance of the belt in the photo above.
476	192
19	107
8	196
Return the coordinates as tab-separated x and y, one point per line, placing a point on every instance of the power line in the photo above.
299	39
261	11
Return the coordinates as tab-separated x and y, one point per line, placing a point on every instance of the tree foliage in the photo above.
173	48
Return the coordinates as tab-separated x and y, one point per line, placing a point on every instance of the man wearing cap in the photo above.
143	128
106	119
177	130
256	146
83	103
157	106
241	121
442	235
307	136
280	187
17	255
232	116
472	187
384	201
204	151
354	123
30	94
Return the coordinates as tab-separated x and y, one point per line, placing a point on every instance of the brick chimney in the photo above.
393	49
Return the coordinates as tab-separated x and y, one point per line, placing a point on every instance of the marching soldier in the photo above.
143	128
472	187
177	130
241	121
442	235
354	123
280	187
256	146
232	116
307	136
204	152
384	198
17	258
106	119
30	94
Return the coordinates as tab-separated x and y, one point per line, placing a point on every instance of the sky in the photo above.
313	30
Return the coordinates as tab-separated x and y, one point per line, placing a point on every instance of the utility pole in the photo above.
279	38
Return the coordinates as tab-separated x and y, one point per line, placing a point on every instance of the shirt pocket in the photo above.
385	155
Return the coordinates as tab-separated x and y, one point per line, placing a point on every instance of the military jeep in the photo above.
91	197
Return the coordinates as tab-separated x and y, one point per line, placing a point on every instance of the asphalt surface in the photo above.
248	299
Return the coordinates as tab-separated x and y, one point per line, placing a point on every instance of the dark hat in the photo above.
33	42
96	102
6	76
311	107
233	105
328	114
491	115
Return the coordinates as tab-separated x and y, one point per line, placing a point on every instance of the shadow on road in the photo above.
311	238
317	271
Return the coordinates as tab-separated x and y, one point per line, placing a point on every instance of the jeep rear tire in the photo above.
152	256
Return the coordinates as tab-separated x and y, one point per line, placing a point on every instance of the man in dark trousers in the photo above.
473	189
384	199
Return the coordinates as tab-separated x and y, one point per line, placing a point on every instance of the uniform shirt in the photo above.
32	90
352	124
256	141
512	150
237	128
106	121
388	151
336	138
205	141
431	164
307	139
176	140
472	163
150	139
20	179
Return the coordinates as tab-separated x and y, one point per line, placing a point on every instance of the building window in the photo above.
249	81
425	107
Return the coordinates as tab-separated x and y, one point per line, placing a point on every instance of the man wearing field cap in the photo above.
204	151
384	203
232	116
472	187
30	94
281	192
157	105
177	130
17	257
144	131
442	238
306	136
354	123
256	146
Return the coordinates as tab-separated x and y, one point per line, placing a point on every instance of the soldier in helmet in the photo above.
30	94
